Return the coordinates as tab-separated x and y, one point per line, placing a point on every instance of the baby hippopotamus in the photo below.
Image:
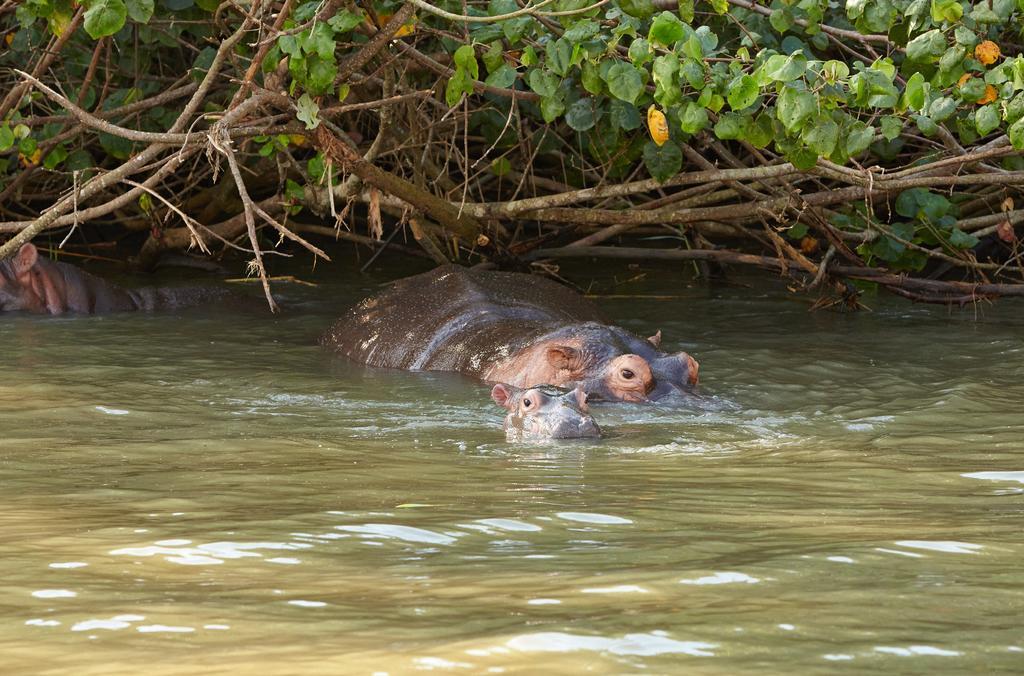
510	328
541	413
31	283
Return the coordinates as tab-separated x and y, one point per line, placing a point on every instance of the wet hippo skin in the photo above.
510	328
31	283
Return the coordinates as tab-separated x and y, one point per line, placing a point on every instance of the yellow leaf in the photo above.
297	140
406	29
989	97
987	52
963	78
30	160
9	38
657	125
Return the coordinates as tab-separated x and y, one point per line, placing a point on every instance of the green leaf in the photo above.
760	133
624	82
926	125
624	116
641	9
781	68
782	19
551	107
693	48
503	76
926	47
344	21
1016	134
458	84
666	30
640	52
663	162
580	115
105	17
693	71
500	166
794	106
821	135
946	10
858	137
731	126
559	53
543	82
55	157
307	111
693	118
833	70
139	10
892	127
321	74
915	91
972	90
582	30
6	138
78	160
465	59
742	92
591	78
941	108
686	10
962	240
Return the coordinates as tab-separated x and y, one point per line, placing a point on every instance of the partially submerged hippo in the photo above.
31	283
542	413
510	328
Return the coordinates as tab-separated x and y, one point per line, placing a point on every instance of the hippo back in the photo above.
454	319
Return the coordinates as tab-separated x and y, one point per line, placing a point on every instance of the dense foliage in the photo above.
828	140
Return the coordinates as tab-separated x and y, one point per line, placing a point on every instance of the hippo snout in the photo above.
583	428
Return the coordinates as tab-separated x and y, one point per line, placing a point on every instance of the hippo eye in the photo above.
628	374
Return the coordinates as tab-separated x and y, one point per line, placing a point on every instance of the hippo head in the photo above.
17	290
542	413
611	363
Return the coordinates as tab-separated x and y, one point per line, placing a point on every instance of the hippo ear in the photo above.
563	357
655	340
692	367
502	395
25	258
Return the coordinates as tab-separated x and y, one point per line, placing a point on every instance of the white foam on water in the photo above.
590	517
54	594
163	628
912	650
618	589
112	411
630	644
723	578
404	533
996	476
947	546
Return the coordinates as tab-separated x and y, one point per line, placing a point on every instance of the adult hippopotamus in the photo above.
541	413
510	328
31	283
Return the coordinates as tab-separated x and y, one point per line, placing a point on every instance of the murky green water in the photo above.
208	493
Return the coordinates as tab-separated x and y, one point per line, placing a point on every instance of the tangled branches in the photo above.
819	143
